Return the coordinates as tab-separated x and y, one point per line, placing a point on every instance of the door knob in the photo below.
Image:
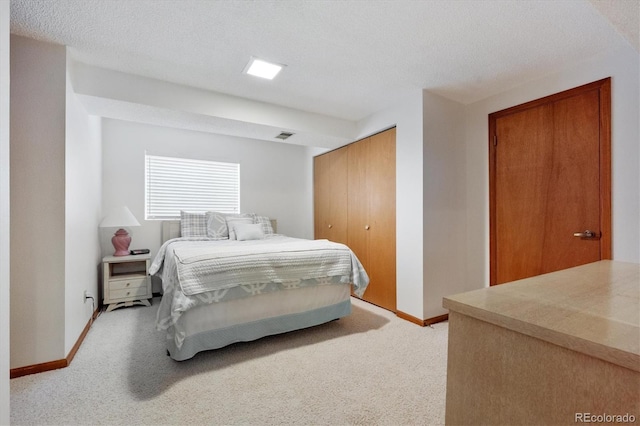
366	227
330	226
586	234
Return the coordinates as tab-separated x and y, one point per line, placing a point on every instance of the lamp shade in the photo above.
119	218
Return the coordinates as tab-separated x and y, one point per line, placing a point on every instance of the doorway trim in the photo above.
604	89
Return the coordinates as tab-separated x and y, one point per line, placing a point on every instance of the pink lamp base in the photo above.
121	241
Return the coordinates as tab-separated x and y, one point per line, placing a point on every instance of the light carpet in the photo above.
370	368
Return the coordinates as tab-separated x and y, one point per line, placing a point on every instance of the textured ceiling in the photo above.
345	59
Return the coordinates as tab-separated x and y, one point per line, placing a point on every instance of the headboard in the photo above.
171	229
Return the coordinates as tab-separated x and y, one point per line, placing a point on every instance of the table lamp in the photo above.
120	218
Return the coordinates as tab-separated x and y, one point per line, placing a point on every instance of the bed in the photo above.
221	287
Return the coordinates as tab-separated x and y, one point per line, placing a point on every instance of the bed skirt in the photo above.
215	325
246	332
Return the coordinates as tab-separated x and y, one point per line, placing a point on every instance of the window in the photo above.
174	184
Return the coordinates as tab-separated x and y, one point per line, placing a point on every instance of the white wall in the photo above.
83	197
407	117
622	66
444	207
38	73
4	212
275	178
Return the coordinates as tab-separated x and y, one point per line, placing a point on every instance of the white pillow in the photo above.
217	224
233	221
248	231
265	223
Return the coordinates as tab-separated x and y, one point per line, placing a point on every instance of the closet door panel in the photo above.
382	217
358	204
330	196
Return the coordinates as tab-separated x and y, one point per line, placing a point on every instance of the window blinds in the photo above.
195	186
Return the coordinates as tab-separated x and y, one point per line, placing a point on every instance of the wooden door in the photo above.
549	180
371	214
330	196
358	206
382	218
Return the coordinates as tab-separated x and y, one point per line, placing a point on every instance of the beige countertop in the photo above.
593	309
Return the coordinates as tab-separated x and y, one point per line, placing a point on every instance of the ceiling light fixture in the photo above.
261	68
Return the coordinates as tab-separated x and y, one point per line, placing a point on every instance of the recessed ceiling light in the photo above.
263	69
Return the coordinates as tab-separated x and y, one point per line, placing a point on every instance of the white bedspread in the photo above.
209	267
175	302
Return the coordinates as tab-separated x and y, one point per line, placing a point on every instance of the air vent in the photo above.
284	135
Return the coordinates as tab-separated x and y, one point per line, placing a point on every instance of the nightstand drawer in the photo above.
129	293
130	283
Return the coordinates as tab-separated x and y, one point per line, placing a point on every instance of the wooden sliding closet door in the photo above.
371	213
358	208
330	196
355	204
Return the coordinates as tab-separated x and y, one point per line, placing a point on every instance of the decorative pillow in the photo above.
193	224
248	231
265	223
217	225
233	221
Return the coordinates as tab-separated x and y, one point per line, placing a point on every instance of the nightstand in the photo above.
126	281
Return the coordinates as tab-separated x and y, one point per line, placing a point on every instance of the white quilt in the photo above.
205	267
192	252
